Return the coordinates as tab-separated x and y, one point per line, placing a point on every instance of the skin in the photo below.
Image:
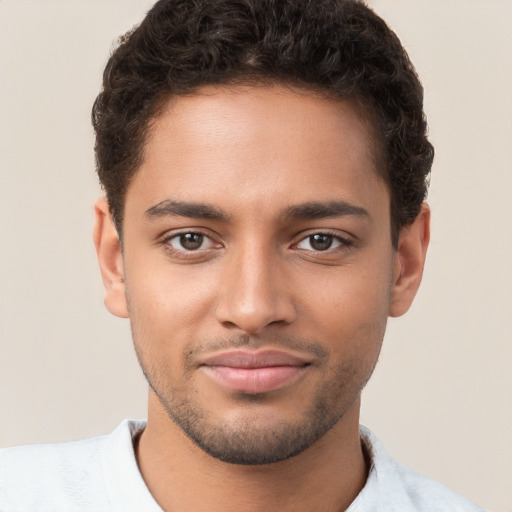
256	156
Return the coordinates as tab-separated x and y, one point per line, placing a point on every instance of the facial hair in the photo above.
248	441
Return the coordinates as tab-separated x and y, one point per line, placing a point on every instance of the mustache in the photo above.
277	341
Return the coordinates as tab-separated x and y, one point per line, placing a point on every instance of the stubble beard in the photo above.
246	442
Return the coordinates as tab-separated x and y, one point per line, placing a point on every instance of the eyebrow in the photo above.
304	211
318	210
185	209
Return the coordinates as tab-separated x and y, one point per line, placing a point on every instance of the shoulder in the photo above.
59	475
429	495
392	486
62	476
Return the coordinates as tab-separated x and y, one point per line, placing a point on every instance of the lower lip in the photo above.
254	380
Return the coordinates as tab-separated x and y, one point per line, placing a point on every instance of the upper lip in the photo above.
252	359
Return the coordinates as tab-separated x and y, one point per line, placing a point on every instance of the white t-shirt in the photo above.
101	474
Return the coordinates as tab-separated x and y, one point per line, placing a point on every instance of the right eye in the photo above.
322	242
189	242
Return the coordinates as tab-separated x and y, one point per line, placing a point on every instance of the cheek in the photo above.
356	291
349	307
167	303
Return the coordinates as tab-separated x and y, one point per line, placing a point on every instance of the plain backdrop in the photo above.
441	397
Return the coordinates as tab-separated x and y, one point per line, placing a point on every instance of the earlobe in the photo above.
409	262
110	259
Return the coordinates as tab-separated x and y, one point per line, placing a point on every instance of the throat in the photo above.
327	476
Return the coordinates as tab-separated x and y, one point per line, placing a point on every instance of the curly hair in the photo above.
340	48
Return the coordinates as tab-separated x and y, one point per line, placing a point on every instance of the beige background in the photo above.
441	398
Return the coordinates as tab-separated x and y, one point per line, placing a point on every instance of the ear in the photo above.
409	262
110	258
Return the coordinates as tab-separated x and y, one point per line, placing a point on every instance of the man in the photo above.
265	167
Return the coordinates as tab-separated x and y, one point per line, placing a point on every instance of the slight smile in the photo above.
255	372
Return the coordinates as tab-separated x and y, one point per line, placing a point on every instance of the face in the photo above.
258	267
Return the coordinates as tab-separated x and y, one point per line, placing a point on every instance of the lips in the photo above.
254	372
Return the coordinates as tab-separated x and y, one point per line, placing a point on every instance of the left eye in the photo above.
320	242
189	242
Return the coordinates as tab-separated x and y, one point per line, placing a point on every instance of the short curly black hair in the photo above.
339	48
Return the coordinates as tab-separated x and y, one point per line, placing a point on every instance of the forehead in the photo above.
257	144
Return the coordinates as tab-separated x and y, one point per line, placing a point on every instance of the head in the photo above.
337	48
265	165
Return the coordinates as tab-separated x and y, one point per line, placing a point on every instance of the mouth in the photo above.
255	372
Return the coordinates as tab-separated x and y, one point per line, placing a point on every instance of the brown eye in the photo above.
320	241
188	241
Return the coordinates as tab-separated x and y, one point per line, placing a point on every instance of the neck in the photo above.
180	476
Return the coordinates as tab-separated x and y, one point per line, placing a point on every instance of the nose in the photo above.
254	292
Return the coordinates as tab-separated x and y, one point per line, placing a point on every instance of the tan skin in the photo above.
256	273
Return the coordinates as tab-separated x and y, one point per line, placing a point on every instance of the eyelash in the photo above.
183	253
344	244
